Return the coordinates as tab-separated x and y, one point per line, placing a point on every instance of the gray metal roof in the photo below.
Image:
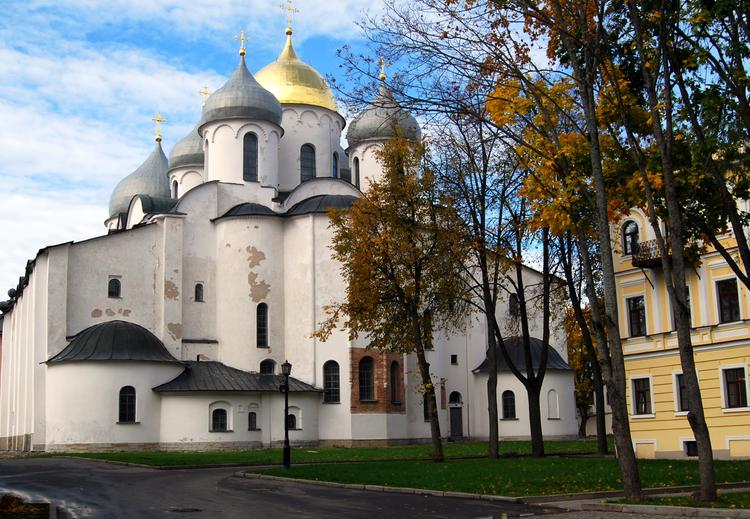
215	376
249	209
321	203
514	345
383	119
188	151
149	179
241	97
114	340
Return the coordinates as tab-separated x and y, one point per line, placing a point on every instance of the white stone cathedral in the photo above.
169	331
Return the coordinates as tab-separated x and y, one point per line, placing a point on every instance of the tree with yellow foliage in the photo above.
401	252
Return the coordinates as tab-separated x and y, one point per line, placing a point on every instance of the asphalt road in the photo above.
101	490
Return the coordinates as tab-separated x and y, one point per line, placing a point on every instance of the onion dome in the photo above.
293	81
149	179
241	98
114	340
188	151
383	119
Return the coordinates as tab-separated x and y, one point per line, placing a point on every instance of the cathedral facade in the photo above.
169	331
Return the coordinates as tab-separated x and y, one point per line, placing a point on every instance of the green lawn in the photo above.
312	455
726	500
514	476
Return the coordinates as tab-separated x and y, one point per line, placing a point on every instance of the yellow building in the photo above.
720	317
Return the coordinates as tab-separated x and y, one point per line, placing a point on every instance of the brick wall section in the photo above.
382	362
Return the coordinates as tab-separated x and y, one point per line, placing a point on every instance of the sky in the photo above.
80	81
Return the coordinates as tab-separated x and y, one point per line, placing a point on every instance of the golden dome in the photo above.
294	82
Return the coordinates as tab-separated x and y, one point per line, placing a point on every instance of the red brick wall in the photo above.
381	362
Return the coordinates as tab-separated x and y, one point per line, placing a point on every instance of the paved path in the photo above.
102	490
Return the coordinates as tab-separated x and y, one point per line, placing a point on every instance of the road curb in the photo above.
380	488
676	511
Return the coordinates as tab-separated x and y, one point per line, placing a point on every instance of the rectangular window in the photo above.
682	400
454	360
691	448
735	388
636	316
729	301
641	396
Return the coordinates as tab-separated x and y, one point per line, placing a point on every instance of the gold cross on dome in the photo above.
383	75
204	93
158	120
242	38
290	11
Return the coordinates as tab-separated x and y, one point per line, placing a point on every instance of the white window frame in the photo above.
297	413
683	441
722	383
652	414
717	303
226	406
645	315
557	405
676	393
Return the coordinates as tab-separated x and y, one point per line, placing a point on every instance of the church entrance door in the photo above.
456	416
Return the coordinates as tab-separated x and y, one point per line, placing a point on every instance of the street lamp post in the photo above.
286	369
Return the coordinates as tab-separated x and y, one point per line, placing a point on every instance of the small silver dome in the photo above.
241	97
188	151
149	179
384	119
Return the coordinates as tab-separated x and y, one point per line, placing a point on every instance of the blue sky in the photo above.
81	79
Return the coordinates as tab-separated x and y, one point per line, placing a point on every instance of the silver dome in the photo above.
384	119
241	97
149	179
188	151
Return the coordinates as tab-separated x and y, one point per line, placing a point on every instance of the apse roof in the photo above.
514	345
114	340
249	209
321	203
215	376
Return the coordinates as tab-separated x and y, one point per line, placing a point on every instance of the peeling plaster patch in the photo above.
96	312
109	312
258	289
119	311
170	290
175	331
254	256
257	226
228	245
176	271
126	312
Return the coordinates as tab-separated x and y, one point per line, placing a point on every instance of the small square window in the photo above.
691	448
454	360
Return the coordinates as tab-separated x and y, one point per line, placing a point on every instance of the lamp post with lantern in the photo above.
286	369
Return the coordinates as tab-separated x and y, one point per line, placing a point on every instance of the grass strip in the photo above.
514	476
330	454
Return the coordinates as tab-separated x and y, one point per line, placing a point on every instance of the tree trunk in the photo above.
601	414
493	450
429	393
583	411
535	420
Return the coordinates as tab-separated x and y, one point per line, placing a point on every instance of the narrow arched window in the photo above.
509	405
335	166
356	172
261	326
307	162
252	421
114	288
331	387
366	379
630	238
250	158
553	405
199	292
394	379
174	189
454	398
514	306
219	420
291	421
267	367
127	405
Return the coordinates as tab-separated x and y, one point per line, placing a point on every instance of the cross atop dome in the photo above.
383	75
290	11
158	120
242	38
